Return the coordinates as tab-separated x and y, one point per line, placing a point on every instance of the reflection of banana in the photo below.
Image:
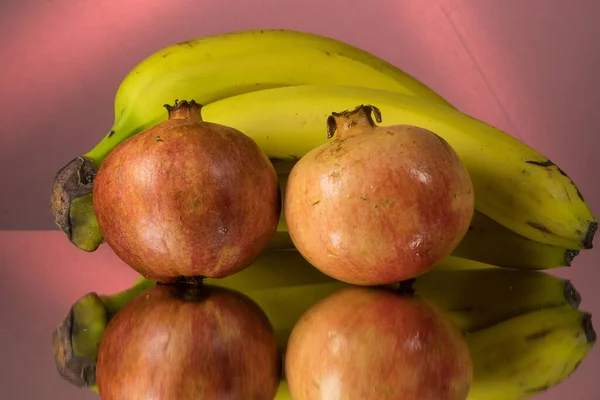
522	356
528	354
285	305
489	242
514	184
113	303
473	295
213	68
283	392
476	295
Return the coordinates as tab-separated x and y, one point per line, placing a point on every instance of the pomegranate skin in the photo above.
187	198
378	204
201	343
373	344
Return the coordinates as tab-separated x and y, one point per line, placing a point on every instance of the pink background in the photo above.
529	67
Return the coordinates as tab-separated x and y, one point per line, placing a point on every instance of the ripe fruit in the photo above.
187	198
374	344
187	343
377	205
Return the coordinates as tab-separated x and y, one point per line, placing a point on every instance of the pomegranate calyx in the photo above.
184	110
351	122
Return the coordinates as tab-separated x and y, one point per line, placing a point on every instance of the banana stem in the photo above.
75	180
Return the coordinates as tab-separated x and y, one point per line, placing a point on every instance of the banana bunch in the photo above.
279	87
523	328
206	70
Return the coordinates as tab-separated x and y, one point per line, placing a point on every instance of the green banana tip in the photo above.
78	371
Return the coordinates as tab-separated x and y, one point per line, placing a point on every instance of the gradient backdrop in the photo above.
529	67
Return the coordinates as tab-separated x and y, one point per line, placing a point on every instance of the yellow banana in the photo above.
216	67
274	269
529	354
213	68
514	184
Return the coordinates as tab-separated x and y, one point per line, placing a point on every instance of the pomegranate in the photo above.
373	344
188	342
187	198
377	204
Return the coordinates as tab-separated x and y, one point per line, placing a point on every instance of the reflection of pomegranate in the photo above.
187	198
378	205
373	344
188	343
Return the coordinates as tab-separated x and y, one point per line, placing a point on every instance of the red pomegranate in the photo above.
377	204
187	198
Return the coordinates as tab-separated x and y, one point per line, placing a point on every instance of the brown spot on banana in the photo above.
538	335
540	227
546	163
549	163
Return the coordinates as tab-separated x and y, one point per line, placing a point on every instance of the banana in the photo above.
529	354
280	269
217	67
514	184
213	68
